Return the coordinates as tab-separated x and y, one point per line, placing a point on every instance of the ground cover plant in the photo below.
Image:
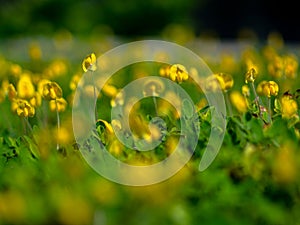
254	179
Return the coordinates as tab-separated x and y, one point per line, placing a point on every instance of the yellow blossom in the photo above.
11	92
212	83
115	147
56	68
118	99
238	101
276	66
250	75
107	125
40	85
22	108
246	90
15	70
52	91
110	90
25	87
290	66
164	71
59	104
139	126
89	63
289	107
268	88
63	135
225	80
74	81
35	51
36	100
178	73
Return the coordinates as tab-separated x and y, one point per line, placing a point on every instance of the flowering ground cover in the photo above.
44	178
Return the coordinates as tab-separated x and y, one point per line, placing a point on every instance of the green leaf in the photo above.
32	147
277	106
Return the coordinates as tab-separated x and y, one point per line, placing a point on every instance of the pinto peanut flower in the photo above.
89	63
51	91
250	76
23	108
239	101
11	92
225	80
289	107
25	87
178	73
59	104
268	88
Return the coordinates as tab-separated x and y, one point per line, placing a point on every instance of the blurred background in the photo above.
218	18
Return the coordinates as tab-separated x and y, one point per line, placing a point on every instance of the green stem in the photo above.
95	96
270	110
23	125
28	124
256	99
228	104
58	124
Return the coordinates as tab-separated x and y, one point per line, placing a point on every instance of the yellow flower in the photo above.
164	71
40	85
107	125
74	81
110	90
250	75
212	83
89	63
63	135
25	87
23	108
238	101
139	126
52	91
276	67
109	134
290	66
36	100
56	68
59	104
268	88
115	147
35	51
15	70
246	90
178	73
118	99
11	92
225	80
289	107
